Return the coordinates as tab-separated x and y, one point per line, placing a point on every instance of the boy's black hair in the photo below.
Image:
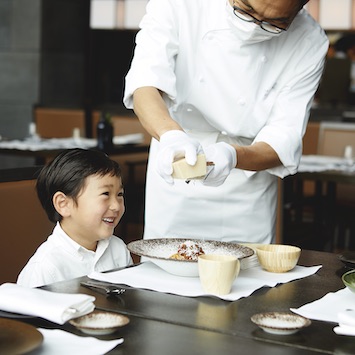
67	173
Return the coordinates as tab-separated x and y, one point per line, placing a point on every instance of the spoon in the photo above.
109	290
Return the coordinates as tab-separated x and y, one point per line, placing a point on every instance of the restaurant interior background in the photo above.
59	55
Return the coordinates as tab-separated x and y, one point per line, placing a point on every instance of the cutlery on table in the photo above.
109	290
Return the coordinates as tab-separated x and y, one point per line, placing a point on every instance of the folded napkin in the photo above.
149	276
333	307
59	342
53	306
346	323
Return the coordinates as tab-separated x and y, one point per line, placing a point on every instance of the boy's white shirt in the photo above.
61	258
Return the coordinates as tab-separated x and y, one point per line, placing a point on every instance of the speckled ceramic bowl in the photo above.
281	323
159	251
99	322
349	280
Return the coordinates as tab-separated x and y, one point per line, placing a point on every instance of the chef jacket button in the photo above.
241	102
189	109
264	59
224	133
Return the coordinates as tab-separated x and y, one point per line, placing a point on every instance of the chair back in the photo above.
58	123
334	137
24	224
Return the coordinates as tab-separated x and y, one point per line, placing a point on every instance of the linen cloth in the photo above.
332	308
53	306
151	277
59	342
35	144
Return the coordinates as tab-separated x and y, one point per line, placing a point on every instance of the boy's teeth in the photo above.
108	219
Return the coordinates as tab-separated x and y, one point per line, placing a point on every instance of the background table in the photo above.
321	224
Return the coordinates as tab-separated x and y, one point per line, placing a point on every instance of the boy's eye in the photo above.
106	193
120	194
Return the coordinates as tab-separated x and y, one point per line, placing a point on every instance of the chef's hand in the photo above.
224	157
174	145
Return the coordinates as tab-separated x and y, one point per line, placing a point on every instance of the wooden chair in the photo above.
58	123
334	137
306	210
24	224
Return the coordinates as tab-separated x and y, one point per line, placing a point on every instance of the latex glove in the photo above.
224	157
174	145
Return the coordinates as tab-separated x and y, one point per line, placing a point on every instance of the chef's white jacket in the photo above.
220	89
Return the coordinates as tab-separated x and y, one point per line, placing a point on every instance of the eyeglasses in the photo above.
266	26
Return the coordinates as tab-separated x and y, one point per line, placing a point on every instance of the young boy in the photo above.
82	192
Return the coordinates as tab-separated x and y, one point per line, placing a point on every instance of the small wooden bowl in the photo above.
278	257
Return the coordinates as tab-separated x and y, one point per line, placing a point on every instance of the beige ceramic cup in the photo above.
217	273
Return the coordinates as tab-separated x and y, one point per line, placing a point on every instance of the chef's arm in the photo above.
152	112
256	157
154	116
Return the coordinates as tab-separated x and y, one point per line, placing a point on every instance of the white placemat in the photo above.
328	307
59	342
151	277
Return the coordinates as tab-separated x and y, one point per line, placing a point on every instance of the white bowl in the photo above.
159	252
282	323
99	322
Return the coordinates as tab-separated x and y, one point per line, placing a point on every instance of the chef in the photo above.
234	80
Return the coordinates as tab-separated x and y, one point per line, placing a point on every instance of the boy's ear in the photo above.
62	203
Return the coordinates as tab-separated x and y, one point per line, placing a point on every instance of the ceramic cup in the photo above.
217	273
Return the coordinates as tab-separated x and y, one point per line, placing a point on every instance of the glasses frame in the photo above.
238	11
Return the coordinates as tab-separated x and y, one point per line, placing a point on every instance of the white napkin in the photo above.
59	342
346	323
53	306
149	276
333	308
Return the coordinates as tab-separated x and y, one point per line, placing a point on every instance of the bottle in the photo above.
104	131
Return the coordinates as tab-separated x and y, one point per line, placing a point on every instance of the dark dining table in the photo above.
163	323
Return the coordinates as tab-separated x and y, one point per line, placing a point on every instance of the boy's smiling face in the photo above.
99	208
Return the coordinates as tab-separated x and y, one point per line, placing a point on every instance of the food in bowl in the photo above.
159	251
188	250
278	257
349	280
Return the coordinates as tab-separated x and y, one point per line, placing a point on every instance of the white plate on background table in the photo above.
160	250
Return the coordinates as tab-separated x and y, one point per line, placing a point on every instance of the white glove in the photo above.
174	145
224	157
